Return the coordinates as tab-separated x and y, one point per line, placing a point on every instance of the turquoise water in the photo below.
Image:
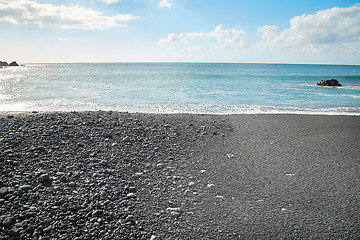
180	88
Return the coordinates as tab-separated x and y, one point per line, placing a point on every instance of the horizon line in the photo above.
201	62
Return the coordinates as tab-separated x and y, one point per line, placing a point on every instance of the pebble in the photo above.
14	232
107	135
104	163
192	184
44	178
130	218
210	185
3	191
131	195
72	184
175	212
47	230
25	188
126	139
8	222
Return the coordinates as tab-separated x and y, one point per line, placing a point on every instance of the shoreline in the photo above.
2	113
118	175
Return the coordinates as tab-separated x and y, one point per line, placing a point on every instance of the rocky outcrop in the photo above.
331	82
14	64
5	64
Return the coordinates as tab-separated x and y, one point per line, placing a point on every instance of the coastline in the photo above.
180	176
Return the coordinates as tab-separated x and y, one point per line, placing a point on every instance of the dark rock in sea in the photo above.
331	82
4	64
14	64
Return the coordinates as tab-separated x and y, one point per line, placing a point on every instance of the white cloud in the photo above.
165	3
318	31
110	1
235	37
66	17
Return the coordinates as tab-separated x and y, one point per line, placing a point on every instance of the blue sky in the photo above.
280	31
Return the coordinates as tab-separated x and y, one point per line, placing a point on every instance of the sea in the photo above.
201	88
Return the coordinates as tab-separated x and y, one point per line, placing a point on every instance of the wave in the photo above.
65	105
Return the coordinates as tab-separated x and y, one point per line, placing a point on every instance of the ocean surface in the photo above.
214	88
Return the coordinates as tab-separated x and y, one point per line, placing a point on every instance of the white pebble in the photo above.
191	184
131	195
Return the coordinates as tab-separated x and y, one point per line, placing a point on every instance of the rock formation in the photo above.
14	64
5	64
331	82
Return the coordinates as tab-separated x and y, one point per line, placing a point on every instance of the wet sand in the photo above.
111	175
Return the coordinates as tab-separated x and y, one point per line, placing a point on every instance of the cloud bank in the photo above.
332	26
66	17
335	26
235	37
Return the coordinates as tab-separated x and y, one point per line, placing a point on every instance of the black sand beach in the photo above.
110	175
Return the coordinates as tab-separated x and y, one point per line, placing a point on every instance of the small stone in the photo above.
192	184
203	171
14	232
176	209
72	184
131	195
97	212
107	135
210	185
153	237
104	163
3	191
47	230
44	178
20	224
60	174
63	178
189	192
130	218
126	139
174	212
8	222
80	145
25	188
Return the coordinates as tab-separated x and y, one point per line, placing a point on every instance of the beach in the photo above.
118	175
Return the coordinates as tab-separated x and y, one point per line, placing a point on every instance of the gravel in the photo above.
112	175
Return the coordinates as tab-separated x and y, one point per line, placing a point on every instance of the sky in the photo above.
260	31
